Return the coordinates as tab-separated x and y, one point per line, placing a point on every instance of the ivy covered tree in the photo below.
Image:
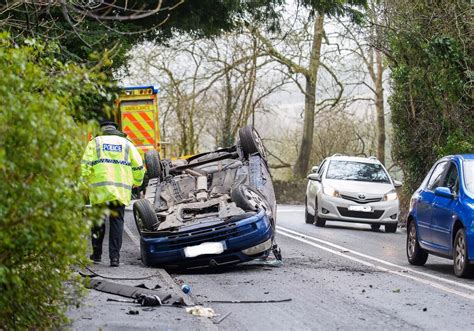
430	52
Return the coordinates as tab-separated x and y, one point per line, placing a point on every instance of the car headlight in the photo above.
330	191
390	196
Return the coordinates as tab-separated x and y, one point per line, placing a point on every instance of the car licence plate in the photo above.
204	248
364	209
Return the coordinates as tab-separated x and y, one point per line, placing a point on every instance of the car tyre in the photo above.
308	218
251	142
375	227
415	254
391	228
153	164
145	216
248	198
462	268
318	221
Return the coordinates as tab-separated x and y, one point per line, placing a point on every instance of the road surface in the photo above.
343	276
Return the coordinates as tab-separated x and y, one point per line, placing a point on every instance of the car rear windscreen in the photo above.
359	171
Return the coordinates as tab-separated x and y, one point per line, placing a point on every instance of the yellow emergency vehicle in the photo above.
137	114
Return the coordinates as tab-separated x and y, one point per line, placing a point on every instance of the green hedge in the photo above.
43	229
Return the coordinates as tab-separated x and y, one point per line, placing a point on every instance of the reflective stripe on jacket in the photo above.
111	165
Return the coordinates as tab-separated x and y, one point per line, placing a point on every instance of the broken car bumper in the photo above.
198	247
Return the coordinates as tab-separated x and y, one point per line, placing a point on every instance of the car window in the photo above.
321	167
469	175
436	176
452	179
359	171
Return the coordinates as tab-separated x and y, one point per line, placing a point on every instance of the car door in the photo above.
425	201
443	214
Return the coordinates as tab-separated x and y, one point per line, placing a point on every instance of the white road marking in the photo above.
347	250
129	232
300	237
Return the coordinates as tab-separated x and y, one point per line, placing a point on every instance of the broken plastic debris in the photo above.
265	262
201	311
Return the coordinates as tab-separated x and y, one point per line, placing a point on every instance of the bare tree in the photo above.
366	39
307	63
208	86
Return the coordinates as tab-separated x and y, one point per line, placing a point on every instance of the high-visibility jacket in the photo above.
111	165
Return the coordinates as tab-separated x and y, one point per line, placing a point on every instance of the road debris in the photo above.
143	300
201	311
141	295
95	274
222	318
248	301
264	262
186	288
133	312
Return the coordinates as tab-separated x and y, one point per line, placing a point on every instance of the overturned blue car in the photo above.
212	209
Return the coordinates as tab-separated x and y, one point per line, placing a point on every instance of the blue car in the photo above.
211	209
441	217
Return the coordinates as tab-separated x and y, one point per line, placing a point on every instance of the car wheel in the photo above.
145	216
251	142
415	254
375	227
320	222
153	164
308	218
391	228
462	268
249	198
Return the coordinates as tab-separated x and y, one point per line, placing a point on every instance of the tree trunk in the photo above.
304	154
226	134
379	108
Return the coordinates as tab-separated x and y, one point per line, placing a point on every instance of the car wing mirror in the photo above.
397	183
314	177
314	169
444	192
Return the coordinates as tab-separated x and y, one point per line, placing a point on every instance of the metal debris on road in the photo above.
133	292
248	301
95	274
222	318
201	311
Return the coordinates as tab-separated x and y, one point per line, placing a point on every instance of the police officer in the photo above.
112	166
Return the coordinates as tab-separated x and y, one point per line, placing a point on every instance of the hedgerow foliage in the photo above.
43	226
431	57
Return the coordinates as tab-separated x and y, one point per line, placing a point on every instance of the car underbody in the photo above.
206	193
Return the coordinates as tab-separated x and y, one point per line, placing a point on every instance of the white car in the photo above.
352	189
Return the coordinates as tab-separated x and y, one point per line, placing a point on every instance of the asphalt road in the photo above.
343	276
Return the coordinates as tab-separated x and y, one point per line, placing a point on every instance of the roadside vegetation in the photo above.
43	222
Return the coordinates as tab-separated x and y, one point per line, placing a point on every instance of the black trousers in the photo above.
115	216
